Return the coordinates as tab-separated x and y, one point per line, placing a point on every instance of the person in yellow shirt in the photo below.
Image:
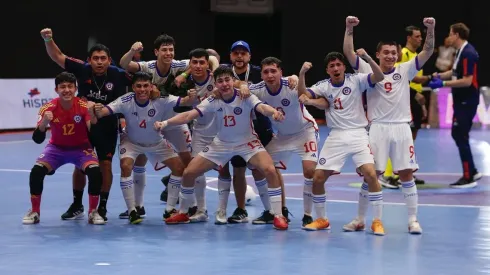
417	100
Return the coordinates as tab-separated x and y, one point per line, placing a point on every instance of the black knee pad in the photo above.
94	179
36	178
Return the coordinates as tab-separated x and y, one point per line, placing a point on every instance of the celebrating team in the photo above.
223	114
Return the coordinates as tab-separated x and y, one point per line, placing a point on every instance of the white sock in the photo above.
173	192
275	200
363	202
224	186
320	203
128	193
308	196
409	190
186	198
200	192
376	199
264	193
139	180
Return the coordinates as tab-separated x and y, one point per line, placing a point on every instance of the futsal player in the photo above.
102	83
389	111
141	138
348	137
297	134
70	120
463	81
235	137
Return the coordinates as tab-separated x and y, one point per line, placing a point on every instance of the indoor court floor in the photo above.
456	224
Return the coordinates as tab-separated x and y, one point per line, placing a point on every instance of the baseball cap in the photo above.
240	43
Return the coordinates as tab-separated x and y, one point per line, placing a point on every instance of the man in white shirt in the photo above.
235	137
388	110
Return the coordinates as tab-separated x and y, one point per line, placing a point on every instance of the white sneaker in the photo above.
200	216
31	217
95	218
414	228
387	182
221	217
354	225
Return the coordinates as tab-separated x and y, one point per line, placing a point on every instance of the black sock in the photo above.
104	196
77	197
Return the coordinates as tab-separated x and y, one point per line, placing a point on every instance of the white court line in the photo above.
69	173
15	141
385	203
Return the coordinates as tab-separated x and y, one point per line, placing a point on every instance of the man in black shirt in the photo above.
99	82
466	97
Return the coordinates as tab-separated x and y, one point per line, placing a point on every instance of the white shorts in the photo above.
179	137
305	144
199	143
341	144
156	154
394	141
220	153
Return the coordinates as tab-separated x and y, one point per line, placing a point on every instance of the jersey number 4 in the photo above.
68	129
143	123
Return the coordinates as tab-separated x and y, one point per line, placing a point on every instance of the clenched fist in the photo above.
429	22
351	21
47	34
306	67
47	117
137	47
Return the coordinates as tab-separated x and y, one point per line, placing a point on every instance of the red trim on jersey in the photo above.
475	74
252	126
283	166
465	66
301	106
76	60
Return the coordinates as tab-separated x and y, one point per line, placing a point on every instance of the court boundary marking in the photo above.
215	179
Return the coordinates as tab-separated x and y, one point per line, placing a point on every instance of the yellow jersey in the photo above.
406	56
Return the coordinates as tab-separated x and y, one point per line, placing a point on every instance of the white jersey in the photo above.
233	118
286	100
205	126
346	110
159	78
140	119
389	100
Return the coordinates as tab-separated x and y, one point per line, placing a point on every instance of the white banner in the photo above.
21	100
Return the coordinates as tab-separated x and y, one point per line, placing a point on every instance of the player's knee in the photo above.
140	160
405	175
309	172
178	168
126	169
370	176
36	178
269	170
94	179
319	177
189	175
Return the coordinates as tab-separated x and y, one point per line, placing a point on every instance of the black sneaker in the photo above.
164	195
192	211
307	220
141	211
134	217
418	181
265	218
168	214
464	183
285	213
74	212
239	216
165	180
102	212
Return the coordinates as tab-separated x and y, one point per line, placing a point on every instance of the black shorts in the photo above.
103	137
416	110
265	137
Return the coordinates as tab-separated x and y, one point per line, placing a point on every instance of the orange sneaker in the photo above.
177	218
318	224
280	223
377	227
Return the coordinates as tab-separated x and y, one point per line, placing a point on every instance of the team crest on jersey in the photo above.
209	87
397	76
322	161
151	112
346	91
109	86
77	118
237	110
122	151
285	102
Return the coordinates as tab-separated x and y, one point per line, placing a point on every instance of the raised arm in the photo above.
320	103
302	90
53	51
127	62
428	49
182	118
350	23
268	110
377	74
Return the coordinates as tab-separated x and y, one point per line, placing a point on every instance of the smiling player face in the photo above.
142	90
66	91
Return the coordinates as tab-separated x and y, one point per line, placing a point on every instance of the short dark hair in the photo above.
385	42
222	70
331	56
271	61
199	52
410	29
141	76
462	30
65	77
163	39
99	48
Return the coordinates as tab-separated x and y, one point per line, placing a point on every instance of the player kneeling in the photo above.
70	119
235	137
141	113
